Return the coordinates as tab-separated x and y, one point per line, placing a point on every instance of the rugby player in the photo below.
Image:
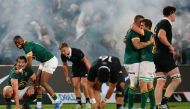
164	58
80	68
106	69
18	87
48	64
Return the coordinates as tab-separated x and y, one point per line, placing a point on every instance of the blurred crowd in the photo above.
64	25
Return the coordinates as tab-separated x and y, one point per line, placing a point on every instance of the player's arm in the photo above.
66	72
163	39
14	83
29	59
137	29
86	62
139	45
33	79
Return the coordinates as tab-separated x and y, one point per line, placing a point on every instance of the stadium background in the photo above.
97	27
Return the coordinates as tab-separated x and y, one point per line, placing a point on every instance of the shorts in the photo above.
79	71
22	92
49	66
164	62
147	71
121	79
132	69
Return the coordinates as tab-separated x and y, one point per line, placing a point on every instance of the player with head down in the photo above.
106	69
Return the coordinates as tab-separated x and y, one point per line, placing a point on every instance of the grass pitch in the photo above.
173	105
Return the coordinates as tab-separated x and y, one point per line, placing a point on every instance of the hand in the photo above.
103	104
68	80
171	48
174	55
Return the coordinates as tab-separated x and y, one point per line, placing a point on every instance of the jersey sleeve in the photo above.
63	58
134	35
27	49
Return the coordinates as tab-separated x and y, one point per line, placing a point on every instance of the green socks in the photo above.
131	94
152	99
143	99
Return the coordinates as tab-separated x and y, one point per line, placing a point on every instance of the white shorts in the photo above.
147	71
49	66
22	92
132	69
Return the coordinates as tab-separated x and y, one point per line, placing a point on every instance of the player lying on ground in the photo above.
147	67
106	69
17	87
46	68
80	67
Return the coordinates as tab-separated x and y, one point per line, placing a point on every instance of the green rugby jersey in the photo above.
40	53
146	53
22	77
132	55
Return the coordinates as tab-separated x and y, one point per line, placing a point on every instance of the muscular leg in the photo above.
161	80
7	94
84	85
119	94
76	84
176	80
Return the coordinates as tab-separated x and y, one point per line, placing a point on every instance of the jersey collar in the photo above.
168	20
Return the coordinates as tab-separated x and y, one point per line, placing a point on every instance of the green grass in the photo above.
174	105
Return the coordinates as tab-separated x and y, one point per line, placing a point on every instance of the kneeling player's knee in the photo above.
7	91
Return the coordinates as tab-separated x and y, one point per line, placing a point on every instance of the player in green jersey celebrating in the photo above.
45	71
17	87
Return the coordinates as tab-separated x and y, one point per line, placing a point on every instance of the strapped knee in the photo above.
161	77
175	76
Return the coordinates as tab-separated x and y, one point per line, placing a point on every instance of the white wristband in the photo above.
106	100
93	100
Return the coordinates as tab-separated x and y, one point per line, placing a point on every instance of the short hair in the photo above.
137	17
16	38
147	23
63	45
168	10
21	58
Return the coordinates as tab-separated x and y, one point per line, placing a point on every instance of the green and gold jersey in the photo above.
39	52
146	53
132	55
22	77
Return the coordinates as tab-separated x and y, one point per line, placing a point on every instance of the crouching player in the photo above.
106	69
17	87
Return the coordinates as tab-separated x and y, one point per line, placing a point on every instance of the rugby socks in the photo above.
125	96
143	99
54	97
164	100
39	101
79	100
119	106
8	100
152	98
29	100
131	95
87	100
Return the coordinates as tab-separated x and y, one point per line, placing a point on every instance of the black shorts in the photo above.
164	62
79	72
121	79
